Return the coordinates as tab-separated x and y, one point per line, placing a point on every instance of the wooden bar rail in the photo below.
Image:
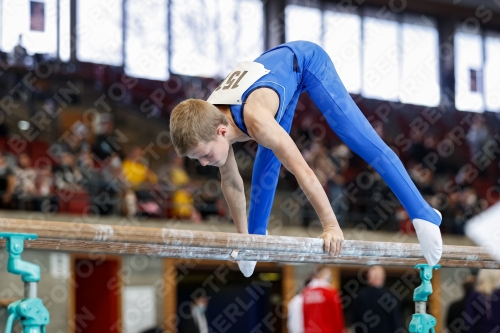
171	243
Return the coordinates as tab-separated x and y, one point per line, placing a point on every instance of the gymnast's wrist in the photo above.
331	227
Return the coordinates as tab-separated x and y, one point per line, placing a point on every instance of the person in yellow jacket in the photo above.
136	171
183	203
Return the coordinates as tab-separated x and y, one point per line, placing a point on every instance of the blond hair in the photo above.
194	121
488	281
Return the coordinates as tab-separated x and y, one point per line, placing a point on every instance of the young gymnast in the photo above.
257	101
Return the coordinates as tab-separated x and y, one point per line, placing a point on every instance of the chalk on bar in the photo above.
234	253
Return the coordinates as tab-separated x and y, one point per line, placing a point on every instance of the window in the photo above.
35	21
342	42
420	68
210	37
492	73
194	39
64	30
468	72
146	39
381	59
303	23
99	31
246	41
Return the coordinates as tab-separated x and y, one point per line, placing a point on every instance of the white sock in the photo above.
247	267
430	239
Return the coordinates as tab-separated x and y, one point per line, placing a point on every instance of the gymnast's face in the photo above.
211	153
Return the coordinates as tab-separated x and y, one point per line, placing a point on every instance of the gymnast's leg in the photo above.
265	177
264	181
344	117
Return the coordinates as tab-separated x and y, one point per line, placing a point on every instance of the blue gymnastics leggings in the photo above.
321	81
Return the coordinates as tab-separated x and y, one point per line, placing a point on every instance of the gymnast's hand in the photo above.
334	240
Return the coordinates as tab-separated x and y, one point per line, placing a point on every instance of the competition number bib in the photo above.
237	82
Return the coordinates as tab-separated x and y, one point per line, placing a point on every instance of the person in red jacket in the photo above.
322	305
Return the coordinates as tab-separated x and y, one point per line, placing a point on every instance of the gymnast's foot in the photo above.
247	267
430	239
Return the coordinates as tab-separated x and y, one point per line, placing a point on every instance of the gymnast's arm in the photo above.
261	125
234	192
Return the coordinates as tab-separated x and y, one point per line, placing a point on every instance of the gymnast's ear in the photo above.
222	130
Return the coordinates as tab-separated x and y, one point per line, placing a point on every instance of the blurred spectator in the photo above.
404	221
129	203
25	176
76	139
469	206
44	184
378	126
178	174
322	304
316	156
7	182
295	319
44	180
142	181
426	185
88	171
105	143
210	205
67	175
477	135
19	52
455	315
112	173
322	166
183	203
136	171
195	320
423	178
329	166
450	212
310	152
422	146
339	156
483	305
114	188
25	188
380	204
418	151
424	152
369	301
